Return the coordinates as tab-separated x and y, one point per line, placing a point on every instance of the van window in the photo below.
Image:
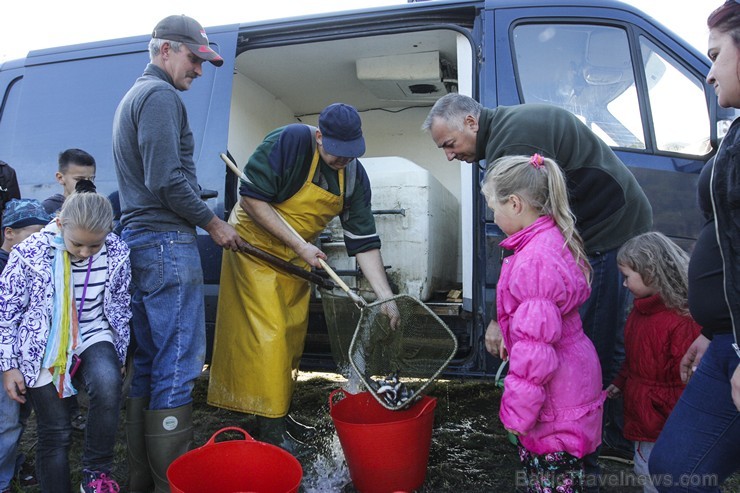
588	70
681	125
585	69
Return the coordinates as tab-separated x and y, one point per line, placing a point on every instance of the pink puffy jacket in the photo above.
552	393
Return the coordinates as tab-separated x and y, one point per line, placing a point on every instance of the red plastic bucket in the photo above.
386	451
235	466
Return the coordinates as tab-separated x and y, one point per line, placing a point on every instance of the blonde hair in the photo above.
540	183
88	211
662	264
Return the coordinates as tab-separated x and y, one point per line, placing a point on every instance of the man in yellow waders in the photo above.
307	175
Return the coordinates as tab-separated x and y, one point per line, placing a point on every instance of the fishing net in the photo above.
397	365
341	316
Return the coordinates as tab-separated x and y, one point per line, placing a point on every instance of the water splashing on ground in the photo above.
328	473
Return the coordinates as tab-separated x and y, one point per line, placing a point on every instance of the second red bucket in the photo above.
386	451
235	466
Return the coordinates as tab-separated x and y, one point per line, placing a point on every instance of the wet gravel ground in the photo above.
469	453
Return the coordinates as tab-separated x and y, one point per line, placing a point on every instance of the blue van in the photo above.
635	83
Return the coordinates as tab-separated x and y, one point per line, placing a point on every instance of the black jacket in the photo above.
8	186
726	204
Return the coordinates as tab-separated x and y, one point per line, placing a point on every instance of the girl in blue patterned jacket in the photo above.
64	323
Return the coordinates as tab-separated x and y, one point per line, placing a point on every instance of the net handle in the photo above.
359	301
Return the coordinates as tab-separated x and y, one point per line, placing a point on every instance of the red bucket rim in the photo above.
428	405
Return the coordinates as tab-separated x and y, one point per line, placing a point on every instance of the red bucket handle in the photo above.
344	394
247	437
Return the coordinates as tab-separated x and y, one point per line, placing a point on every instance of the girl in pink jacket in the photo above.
553	397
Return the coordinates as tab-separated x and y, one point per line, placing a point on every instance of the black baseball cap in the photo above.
188	31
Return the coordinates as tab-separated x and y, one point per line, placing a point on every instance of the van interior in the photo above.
392	80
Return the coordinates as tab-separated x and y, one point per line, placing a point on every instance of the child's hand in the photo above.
613	391
15	385
495	341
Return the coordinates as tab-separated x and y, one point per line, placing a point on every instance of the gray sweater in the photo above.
153	153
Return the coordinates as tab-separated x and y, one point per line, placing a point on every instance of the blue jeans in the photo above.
169	321
100	374
699	446
12	422
604	315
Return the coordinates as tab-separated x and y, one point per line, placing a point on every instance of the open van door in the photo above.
391	64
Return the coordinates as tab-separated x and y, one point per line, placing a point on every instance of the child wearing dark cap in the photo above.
21	218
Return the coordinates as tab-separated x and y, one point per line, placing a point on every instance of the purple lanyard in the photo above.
84	288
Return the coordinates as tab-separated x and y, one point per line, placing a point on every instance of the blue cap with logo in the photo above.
341	131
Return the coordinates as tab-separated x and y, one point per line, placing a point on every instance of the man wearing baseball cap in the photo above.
307	175
153	149
189	32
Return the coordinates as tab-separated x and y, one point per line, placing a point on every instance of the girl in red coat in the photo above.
658	332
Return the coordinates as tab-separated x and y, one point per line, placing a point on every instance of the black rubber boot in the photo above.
169	434
298	429
274	431
139	475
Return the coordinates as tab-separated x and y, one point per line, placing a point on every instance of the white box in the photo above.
421	244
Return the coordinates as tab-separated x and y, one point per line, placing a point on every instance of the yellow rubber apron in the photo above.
262	314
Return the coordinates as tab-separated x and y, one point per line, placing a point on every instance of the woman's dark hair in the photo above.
727	20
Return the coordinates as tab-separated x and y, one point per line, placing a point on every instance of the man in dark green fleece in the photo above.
609	205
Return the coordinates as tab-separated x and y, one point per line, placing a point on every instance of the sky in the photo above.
35	24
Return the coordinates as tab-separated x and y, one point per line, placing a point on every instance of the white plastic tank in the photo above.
418	224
